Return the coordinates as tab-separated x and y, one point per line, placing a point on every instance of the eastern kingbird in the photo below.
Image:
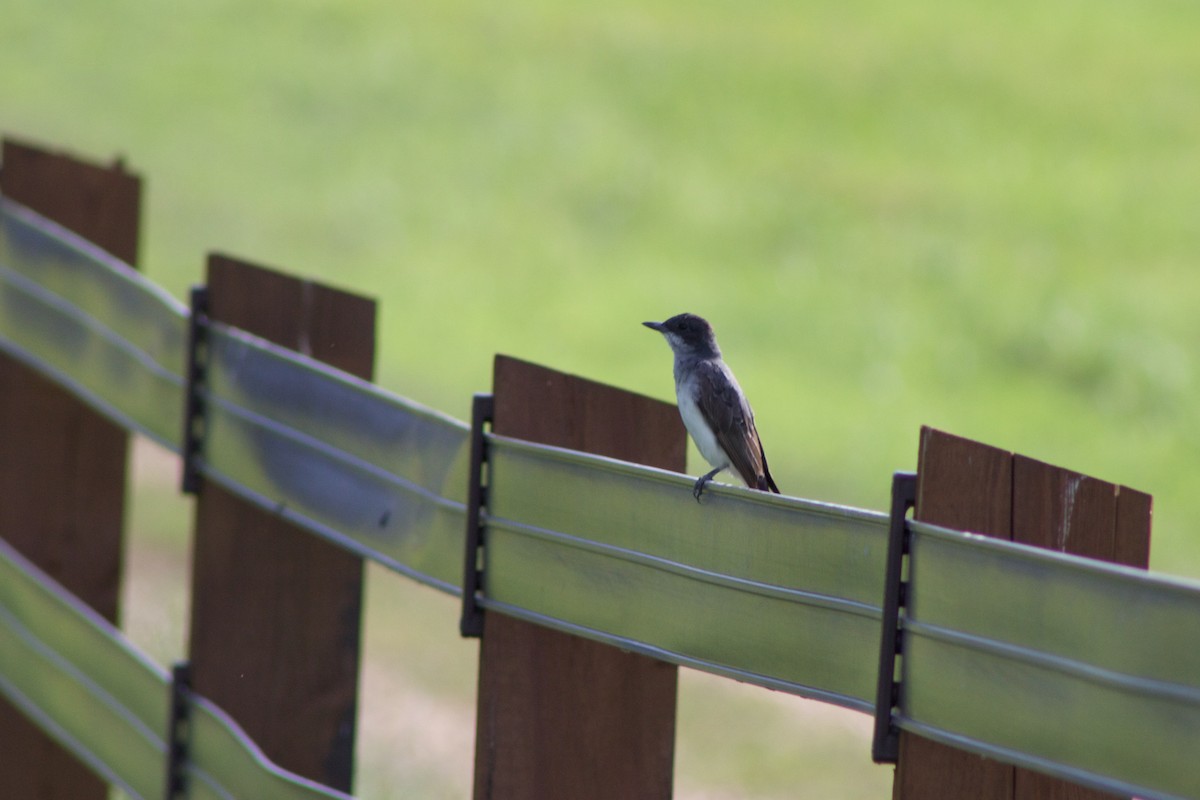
712	405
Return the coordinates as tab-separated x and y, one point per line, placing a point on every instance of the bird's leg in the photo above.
698	489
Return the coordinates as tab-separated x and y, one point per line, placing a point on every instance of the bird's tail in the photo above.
765	482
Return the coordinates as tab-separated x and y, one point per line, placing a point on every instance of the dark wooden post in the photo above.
971	486
62	465
276	611
560	716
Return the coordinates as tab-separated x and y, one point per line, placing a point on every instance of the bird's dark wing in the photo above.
729	416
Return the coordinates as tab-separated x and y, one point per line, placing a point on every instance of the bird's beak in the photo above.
654	326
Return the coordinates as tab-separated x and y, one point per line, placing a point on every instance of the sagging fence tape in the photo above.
1004	655
88	688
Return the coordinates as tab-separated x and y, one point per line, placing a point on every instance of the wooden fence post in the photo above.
560	716
62	465
971	486
276	611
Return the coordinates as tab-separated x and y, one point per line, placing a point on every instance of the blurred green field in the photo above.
980	217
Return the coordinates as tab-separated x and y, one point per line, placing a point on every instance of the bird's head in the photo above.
688	334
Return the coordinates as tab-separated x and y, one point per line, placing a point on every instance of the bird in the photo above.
713	407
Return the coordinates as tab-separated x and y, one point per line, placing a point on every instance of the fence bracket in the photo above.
885	746
194	406
471	622
178	733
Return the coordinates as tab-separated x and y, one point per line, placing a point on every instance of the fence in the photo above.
590	577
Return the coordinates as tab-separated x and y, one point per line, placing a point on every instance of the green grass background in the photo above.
983	217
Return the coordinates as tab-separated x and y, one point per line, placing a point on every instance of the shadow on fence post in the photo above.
560	716
62	465
970	486
276	611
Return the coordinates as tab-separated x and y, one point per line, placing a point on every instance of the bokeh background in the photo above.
983	217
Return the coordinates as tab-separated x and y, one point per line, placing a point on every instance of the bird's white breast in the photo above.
694	421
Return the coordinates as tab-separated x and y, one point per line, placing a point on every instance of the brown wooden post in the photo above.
560	716
276	611
62	465
971	486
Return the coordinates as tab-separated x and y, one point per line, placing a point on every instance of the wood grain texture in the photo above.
1135	514
100	203
277	611
560	716
550	407
331	325
62	465
964	485
1057	509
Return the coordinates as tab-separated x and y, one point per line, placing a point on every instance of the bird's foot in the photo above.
701	482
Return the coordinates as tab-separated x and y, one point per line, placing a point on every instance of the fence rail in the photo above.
1075	668
1084	669
375	473
84	684
91	323
730	587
